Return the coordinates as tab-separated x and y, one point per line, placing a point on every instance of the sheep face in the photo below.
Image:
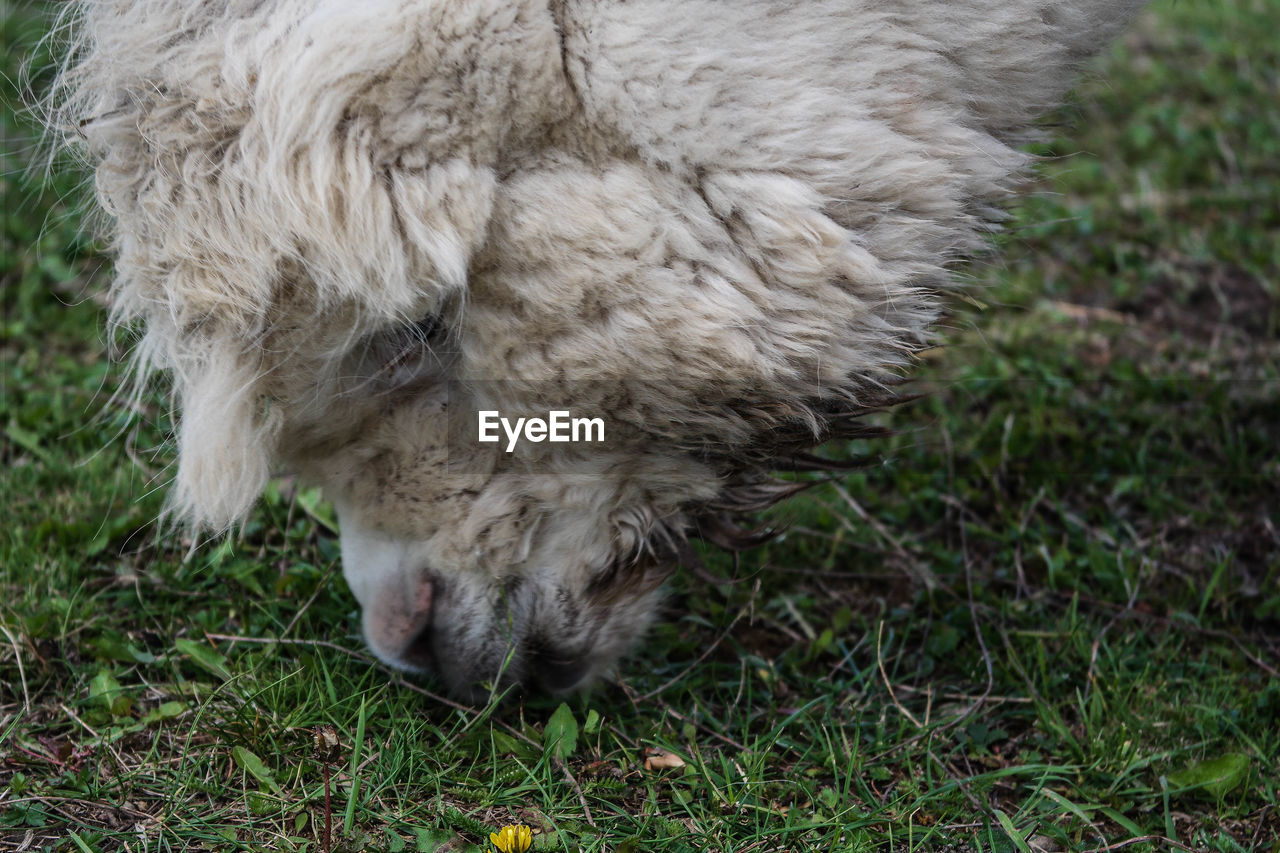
551	621
490	568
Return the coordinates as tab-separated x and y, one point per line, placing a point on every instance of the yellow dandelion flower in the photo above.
512	839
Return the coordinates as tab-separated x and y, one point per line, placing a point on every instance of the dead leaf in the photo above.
660	759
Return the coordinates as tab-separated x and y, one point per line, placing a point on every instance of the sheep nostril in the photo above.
419	655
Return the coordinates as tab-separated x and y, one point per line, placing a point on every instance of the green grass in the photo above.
1048	622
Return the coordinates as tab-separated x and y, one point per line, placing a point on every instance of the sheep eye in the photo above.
395	357
430	326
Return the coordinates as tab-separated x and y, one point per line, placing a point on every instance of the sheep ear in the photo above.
226	442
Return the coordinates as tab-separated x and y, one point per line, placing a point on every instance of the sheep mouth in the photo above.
419	656
555	670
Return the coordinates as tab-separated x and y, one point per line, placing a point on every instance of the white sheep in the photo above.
348	228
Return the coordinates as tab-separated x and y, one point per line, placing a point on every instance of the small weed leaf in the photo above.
317	509
1216	776
26	814
1012	831
943	640
204	657
259	805
80	843
112	646
821	644
592	725
981	736
252	764
561	734
509	777
106	690
29	442
165	711
426	840
508	745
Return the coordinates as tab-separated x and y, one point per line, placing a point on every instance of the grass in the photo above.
1048	621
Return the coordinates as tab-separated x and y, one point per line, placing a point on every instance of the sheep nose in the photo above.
418	653
555	670
398	625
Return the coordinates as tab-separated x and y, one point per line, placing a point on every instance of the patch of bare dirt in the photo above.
1207	302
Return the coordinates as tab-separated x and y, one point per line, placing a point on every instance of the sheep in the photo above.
351	232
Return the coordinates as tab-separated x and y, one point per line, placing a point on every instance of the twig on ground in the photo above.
320	587
885	676
120	762
1163	620
1097	640
396	678
912	565
328	811
1262	822
977	629
711	648
586	810
957	779
1023	588
701	726
22	675
1143	839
